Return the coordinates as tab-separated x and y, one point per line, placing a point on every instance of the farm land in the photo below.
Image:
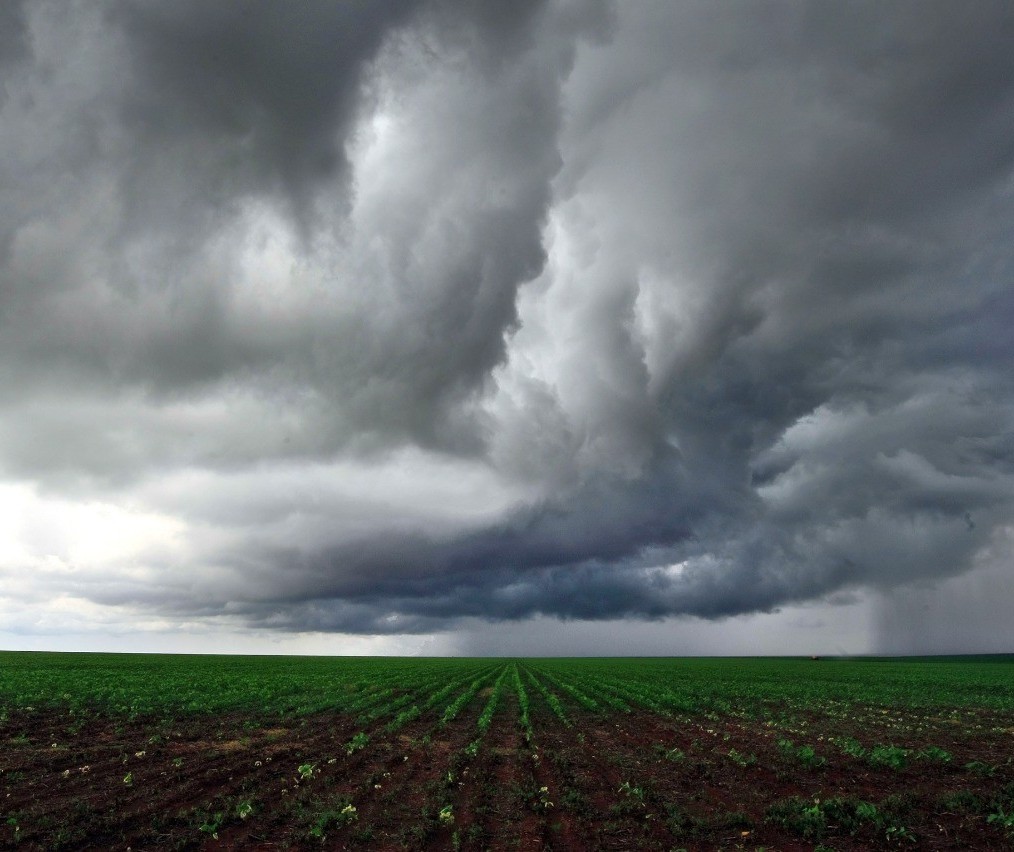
103	751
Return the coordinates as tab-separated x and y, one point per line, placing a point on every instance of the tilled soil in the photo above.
615	780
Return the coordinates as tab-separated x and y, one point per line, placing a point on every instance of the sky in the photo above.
466	327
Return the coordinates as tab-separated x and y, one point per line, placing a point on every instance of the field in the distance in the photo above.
106	751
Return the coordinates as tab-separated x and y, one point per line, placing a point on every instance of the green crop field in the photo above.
172	752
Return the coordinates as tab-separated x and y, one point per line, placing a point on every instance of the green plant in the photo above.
574	800
211	825
486	717
683	824
851	747
899	832
867	811
523	720
244	809
632	792
357	742
1002	818
799	816
551	699
891	756
741	759
851	815
805	753
541	799
332	817
960	801
445	816
307	771
364	836
403	718
809	757
458	703
934	754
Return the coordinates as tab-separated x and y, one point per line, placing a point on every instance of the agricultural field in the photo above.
103	751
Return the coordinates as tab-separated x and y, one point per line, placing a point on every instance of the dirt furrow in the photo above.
494	801
599	793
398	803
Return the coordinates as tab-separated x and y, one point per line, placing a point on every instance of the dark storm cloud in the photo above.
12	33
152	168
697	309
264	93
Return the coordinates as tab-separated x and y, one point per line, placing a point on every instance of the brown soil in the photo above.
620	781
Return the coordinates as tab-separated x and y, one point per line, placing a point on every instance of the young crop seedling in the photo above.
673	755
542	801
211	825
899	832
867	811
892	756
357	742
809	757
960	801
336	817
805	754
632	792
742	760
796	815
934	754
850	746
1003	819
445	816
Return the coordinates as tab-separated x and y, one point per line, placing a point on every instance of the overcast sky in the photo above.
427	326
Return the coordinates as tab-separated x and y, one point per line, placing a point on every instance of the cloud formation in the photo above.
375	317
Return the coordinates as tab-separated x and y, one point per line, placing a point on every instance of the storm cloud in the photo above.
391	317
